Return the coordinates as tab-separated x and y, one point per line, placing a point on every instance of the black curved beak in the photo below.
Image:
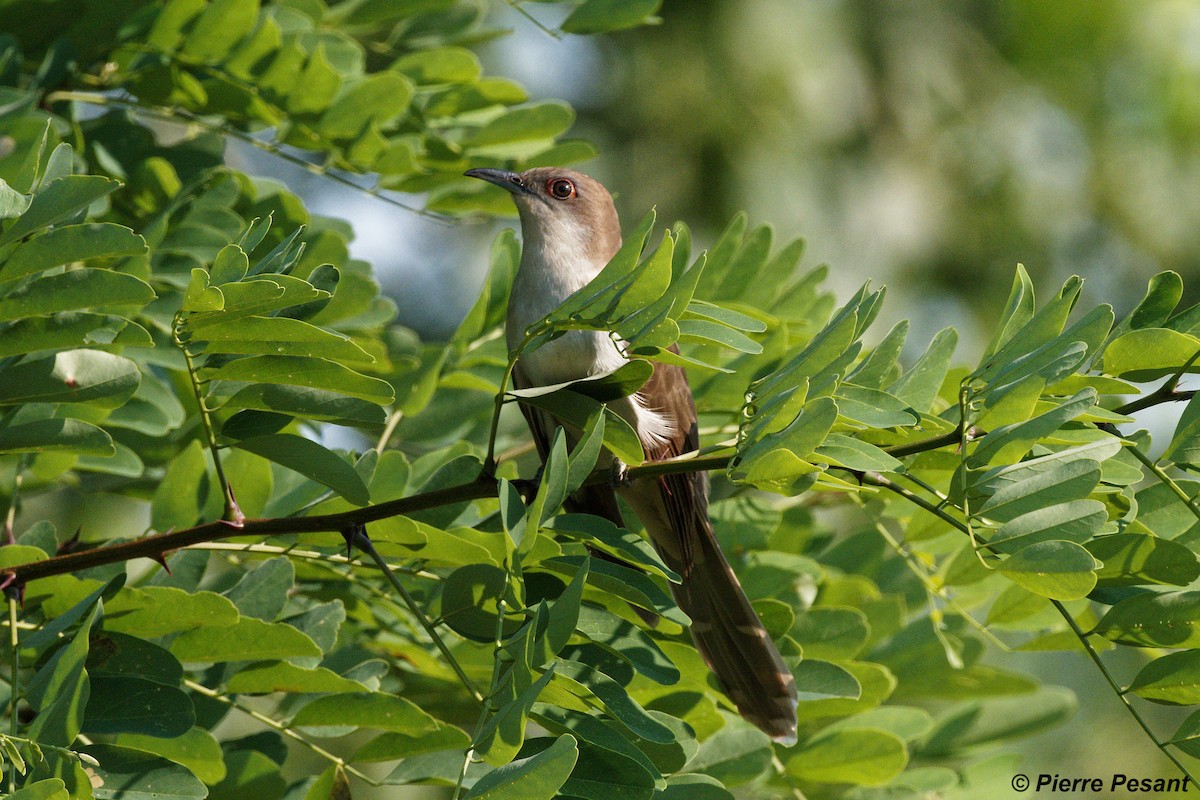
503	178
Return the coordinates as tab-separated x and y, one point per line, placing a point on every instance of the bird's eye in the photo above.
560	188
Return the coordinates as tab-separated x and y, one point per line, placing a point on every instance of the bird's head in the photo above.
561	208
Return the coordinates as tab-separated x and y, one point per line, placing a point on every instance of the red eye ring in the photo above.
560	188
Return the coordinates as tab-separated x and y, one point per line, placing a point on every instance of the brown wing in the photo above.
726	629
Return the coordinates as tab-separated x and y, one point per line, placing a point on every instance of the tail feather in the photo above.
734	643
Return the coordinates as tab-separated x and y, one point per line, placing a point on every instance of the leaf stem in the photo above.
469	756
516	6
179	116
914	566
362	542
275	724
481	487
879	480
1120	693
232	512
14	652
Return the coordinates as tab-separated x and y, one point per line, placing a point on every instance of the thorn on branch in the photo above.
71	545
356	536
233	511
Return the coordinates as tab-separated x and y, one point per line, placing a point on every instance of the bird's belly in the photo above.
574	355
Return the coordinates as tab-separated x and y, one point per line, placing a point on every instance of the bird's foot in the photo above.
618	477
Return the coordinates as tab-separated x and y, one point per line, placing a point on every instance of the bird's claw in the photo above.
618	477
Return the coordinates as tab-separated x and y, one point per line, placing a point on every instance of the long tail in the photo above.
726	629
734	643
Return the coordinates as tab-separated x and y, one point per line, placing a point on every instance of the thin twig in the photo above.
275	724
178	115
14	653
363	543
879	480
516	6
1116	687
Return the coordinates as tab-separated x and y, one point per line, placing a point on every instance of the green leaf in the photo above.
606	536
563	618
602	774
584	456
249	773
59	690
126	774
49	789
826	632
69	244
198	750
1173	679
70	435
1017	311
862	756
153	611
1149	353
73	376
1010	491
248	639
576	409
735	754
614	698
1135	559
377	98
846	451
218	28
282	676
375	710
688	786
263	591
1059	570
114	654
503	733
311	460
12	203
918	387
1009	443
183	493
69	330
469	600
58	201
128	704
301	401
603	388
1075	521
552	490
1185	444
1187	738
282	336
602	16
535	121
439	65
1153	619
705	331
317	373
538	777
628	642
821	680
390	746
776	461
874	408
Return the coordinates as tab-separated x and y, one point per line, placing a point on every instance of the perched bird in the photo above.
570	231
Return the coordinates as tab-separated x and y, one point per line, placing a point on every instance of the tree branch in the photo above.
159	545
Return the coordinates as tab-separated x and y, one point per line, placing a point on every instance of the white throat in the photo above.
554	266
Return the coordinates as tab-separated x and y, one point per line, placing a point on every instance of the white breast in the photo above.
545	278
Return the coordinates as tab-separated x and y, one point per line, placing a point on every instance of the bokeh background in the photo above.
928	146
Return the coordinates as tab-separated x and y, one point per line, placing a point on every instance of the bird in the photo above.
570	230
